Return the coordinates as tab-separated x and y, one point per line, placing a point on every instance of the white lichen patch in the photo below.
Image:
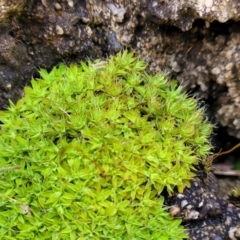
118	12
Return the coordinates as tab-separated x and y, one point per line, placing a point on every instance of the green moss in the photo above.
96	144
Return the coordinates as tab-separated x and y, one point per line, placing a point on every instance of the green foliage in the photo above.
88	150
237	165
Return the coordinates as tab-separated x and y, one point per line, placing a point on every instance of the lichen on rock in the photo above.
89	149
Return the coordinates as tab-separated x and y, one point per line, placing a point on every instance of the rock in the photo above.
206	216
195	40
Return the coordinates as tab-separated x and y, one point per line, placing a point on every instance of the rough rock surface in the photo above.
195	40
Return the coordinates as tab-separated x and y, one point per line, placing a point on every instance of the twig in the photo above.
9	168
223	153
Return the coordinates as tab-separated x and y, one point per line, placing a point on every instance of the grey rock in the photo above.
193	40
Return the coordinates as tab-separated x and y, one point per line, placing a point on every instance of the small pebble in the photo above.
59	30
184	203
71	4
9	86
175	66
57	6
200	204
193	214
180	196
174	210
229	66
208	3
216	71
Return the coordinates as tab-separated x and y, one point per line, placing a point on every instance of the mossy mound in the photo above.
86	153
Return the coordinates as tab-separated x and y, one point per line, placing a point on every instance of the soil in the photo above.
205	210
